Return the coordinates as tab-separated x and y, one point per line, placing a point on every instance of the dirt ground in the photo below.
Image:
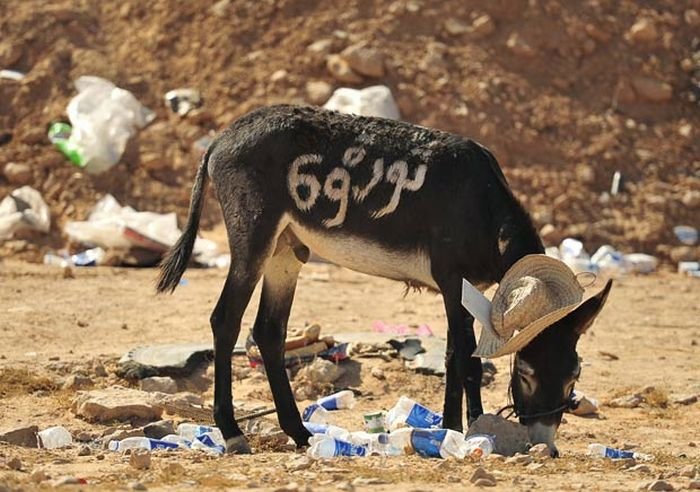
647	335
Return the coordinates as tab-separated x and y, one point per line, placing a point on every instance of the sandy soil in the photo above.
51	323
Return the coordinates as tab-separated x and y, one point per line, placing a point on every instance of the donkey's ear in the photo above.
581	319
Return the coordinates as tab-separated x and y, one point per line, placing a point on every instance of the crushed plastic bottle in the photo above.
431	443
319	412
179	440
326	429
600	451
208	442
140	443
330	447
189	431
480	445
55	437
410	413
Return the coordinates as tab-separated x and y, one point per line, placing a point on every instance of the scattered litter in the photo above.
11	75
689	268
318	412
55	437
89	257
112	226
176	360
616	185
583	405
330	447
408	412
376	100
24	208
600	451
103	118
182	101
511	437
189	436
686	234
480	445
59	135
374	422
606	260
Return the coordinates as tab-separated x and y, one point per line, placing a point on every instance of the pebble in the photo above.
77	382
318	91
18	174
642	468
643	31
378	373
363	481
520	459
651	89
480	474
694	485
21	436
14	463
136	486
482	26
298	464
290	487
84	451
100	370
456	27
660	485
688	471
692	17
347	486
160	429
341	71
140	459
629	401
691	199
519	46
485	482
38	475
364	60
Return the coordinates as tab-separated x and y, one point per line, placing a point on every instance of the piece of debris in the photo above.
376	100
165	360
685	399
20	436
511	437
140	459
182	101
160	429
24	208
54	437
480	475
378	373
628	401
14	463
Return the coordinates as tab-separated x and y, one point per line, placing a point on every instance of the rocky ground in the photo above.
565	93
62	338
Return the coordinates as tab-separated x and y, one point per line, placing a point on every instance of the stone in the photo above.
14	463
160	384
519	459
340	69
278	76
320	371
548	233
691	199
220	9
519	46
540	450
689	471
642	468
685	399
136	486
482	26
378	373
77	382
84	451
365	481
660	485
456	27
480	474
100	370
10	53
116	403
692	17
322	46
160	429
318	91
140	459
364	60
38	475
485	482
511	437
21	436
694	485
643	31
298	464
651	89
628	401
17	174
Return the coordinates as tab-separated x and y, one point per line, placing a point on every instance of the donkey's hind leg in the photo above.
270	329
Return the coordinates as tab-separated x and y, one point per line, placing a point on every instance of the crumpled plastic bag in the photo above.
103	117
376	100
110	225
23	209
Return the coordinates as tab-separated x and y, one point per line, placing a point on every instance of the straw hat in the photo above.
535	292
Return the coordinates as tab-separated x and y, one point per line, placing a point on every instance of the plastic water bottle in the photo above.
190	431
330	447
326	429
413	414
55	437
480	445
431	443
319	412
141	443
179	440
600	451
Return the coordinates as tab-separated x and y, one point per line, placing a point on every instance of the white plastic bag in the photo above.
376	100
24	208
104	117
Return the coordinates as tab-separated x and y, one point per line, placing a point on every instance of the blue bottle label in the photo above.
329	402
618	453
210	443
427	442
423	418
343	448
309	411
316	428
158	444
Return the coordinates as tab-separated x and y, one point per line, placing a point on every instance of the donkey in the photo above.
381	197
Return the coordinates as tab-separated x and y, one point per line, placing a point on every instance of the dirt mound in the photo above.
564	93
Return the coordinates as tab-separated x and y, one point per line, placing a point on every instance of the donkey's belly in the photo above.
366	256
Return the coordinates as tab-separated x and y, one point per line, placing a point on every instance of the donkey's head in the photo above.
545	371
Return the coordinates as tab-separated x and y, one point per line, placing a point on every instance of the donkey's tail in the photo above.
175	262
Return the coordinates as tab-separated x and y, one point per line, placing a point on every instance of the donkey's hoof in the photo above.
237	445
